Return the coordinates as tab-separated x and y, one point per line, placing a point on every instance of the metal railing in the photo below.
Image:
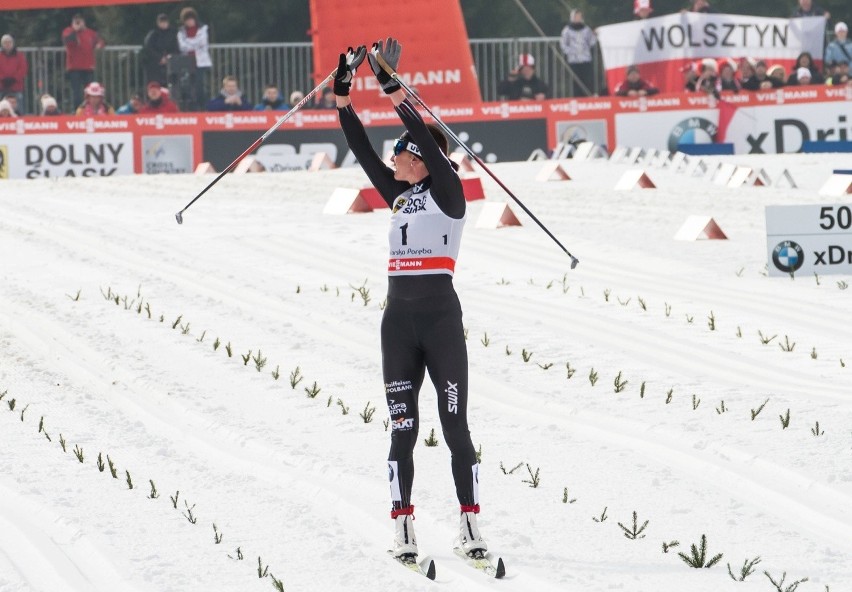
288	65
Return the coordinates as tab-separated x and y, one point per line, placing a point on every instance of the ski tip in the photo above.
430	570
501	569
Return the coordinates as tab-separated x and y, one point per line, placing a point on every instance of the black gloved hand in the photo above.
346	68
389	54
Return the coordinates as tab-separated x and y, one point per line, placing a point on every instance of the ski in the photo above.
478	560
424	568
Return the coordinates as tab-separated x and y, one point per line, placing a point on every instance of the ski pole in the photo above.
411	92
258	142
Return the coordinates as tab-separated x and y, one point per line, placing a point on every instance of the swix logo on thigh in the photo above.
452	391
402	424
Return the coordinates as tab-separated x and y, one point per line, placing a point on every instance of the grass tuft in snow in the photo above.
367	413
816	431
787	346
764	339
698	557
619	383
174	499
154	494
745	571
343	408
295	378
635	531
565	498
485	341
569	370
262	571
785	420
188	514
78	452
100	462
128	480
711	321
112	470
313	391
431	441
670	545
756	412
75	298
217	536
276	374
259	361
534	479
526	355
779	585
509	472
593	376
62	443
603	516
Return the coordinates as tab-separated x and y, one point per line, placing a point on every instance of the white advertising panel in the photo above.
809	239
68	155
770	129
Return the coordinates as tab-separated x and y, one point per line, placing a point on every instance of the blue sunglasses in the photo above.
403	144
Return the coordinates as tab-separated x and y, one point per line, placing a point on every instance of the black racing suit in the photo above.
422	323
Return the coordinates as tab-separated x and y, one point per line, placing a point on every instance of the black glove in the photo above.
346	67
390	55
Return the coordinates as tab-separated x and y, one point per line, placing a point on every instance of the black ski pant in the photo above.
417	335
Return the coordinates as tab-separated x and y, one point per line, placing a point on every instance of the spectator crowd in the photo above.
177	66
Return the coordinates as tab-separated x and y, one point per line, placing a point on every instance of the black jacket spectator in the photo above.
160	43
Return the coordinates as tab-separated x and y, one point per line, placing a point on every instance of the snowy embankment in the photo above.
296	485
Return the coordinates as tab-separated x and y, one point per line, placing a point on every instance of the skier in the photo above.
422	323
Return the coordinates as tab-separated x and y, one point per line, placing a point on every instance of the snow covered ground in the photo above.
293	483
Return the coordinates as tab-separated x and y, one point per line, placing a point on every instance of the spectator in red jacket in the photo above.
80	45
158	100
13	70
634	86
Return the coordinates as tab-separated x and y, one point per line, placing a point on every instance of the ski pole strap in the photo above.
474	508
407	511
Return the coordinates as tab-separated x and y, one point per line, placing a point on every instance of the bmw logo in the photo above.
695	130
788	256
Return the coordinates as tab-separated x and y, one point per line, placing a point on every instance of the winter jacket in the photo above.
103	109
80	48
218	103
164	105
196	44
834	52
623	89
158	44
577	41
13	70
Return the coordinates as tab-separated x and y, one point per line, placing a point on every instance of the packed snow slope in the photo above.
656	378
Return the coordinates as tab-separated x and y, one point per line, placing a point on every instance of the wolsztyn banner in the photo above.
661	46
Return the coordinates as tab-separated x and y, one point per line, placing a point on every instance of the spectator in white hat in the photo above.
578	41
6	109
805	60
49	105
94	102
803	76
642	9
522	83
839	50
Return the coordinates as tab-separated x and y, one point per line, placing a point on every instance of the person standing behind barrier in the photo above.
808	8
80	45
578	41
642	9
193	40
160	43
805	60
839	50
13	71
